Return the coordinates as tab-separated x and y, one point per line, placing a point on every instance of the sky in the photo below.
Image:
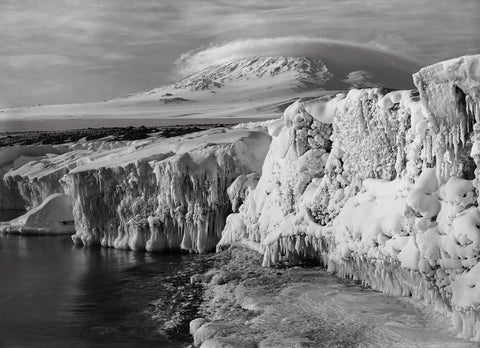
66	51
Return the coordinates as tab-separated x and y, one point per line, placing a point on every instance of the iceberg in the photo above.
52	216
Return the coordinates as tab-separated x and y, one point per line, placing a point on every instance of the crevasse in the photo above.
381	186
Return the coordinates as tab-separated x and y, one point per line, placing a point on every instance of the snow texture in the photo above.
162	195
52	216
381	186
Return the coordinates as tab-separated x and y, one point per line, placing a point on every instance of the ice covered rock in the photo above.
380	186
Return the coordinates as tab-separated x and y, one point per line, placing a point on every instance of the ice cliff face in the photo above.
32	173
380	186
12	158
168	194
153	194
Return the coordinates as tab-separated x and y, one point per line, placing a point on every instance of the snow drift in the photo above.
381	186
52	216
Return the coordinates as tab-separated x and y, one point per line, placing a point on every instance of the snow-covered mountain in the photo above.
252	87
247	78
301	70
253	75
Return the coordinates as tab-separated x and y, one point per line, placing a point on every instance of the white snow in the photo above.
388	195
251	87
53	216
163	194
380	186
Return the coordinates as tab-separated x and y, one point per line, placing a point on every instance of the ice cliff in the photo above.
380	186
153	194
11	159
162	194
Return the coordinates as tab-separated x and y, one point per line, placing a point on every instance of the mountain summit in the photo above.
304	70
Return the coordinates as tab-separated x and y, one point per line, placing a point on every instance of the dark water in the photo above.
56	294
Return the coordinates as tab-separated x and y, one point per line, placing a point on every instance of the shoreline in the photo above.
127	133
247	305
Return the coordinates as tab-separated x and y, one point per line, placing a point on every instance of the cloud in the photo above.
196	60
104	48
19	62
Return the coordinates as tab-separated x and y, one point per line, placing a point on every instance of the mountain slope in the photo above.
252	76
253	87
301	69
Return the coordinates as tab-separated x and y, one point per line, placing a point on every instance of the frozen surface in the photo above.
247	306
52	216
380	186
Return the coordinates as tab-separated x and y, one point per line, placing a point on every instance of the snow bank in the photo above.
164	194
381	186
52	216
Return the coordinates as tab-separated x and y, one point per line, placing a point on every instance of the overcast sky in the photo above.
59	51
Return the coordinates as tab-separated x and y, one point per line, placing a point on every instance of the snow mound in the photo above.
381	186
52	216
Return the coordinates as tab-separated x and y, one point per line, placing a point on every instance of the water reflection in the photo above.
53	294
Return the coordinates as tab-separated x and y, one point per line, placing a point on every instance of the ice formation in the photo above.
153	194
381	186
163	194
52	216
32	173
12	158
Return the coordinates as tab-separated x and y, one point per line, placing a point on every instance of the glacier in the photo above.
165	195
379	185
154	194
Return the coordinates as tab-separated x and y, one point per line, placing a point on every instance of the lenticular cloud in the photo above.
196	60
